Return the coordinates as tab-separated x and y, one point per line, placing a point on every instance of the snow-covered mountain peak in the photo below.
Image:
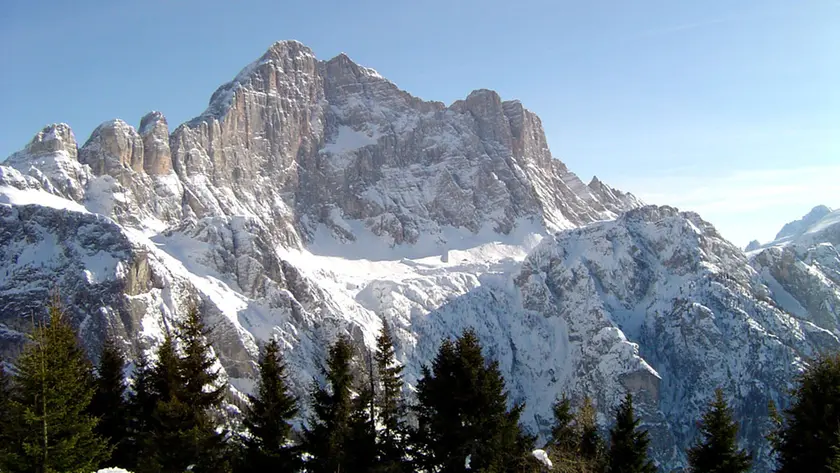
691	311
52	139
800	226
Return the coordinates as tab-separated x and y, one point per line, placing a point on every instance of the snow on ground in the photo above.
542	457
13	196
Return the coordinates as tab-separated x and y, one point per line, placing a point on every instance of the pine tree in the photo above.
142	402
834	463
390	407
807	440
53	389
591	448
268	417
564	443
110	404
628	445
328	432
718	451
175	404
202	390
6	420
362	452
462	413
201	395
563	434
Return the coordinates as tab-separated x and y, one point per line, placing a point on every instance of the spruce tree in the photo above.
268	418
564	442
142	402
175	405
362	452
202	390
110	404
462	413
53	389
807	439
390	407
328	432
6	422
718	451
563	434
201	395
628	445
593	456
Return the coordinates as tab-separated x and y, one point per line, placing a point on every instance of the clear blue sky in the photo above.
728	107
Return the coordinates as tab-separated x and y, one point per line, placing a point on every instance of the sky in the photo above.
730	108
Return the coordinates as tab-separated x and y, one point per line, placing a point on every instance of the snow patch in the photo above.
348	140
13	196
542	457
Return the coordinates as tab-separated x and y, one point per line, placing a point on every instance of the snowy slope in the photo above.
802	267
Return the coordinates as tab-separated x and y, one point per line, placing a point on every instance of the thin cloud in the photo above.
744	204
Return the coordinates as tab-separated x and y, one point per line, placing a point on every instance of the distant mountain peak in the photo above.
799	226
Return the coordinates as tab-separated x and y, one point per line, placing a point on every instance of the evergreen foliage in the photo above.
326	438
390	408
807	439
462	413
6	437
141	406
718	451
268	419
51	425
175	405
592	453
361	443
110	404
628	445
575	445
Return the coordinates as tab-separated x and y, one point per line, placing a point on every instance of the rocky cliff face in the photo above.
315	197
802	267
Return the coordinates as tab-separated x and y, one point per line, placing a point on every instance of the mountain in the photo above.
798	227
802	267
315	197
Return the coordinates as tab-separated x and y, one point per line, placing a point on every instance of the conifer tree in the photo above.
175	405
718	451
565	440
53	389
462	413
326	437
201	395
268	417
362	452
390	407
807	439
591	448
6	437
563	434
110	404
142	402
201	388
628	445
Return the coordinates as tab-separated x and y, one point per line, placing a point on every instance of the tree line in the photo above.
59	413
